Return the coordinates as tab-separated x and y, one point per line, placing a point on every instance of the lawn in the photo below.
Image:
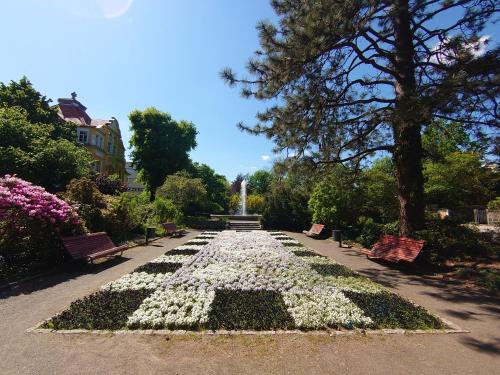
234	280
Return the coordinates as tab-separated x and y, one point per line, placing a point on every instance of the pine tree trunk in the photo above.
407	127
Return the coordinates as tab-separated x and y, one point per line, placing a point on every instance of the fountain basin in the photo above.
238	217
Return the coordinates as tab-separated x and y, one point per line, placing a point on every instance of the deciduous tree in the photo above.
160	144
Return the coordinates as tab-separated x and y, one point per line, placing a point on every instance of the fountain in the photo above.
243	198
242	220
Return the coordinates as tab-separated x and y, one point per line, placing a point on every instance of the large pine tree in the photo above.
350	78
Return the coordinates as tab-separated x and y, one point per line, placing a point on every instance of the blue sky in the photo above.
121	55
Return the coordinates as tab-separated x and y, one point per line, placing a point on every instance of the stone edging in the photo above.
452	328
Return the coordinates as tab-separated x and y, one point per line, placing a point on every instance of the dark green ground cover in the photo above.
255	310
158	267
104	309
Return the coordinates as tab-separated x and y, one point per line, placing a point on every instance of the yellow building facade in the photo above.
101	137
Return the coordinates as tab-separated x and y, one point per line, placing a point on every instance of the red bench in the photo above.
395	249
315	230
171	229
91	246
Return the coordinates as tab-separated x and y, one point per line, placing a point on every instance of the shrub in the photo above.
164	210
446	239
125	215
370	231
204	223
286	208
88	201
85	191
110	184
234	203
494	204
31	222
255	204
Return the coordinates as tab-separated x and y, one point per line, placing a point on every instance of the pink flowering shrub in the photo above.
21	197
31	223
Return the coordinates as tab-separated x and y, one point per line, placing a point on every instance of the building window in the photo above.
83	136
110	145
98	141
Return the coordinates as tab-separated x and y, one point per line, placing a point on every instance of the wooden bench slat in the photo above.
315	230
395	249
171	228
91	246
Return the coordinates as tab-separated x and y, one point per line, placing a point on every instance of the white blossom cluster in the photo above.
190	247
176	258
167	308
137	281
321	307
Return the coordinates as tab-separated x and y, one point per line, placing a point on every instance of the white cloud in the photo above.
265	157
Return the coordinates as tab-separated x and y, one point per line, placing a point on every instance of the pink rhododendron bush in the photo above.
31	222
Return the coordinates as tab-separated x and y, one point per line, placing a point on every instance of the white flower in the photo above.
177	258
190	247
137	281
168	308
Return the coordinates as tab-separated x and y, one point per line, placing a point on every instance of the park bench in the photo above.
395	249
91	246
171	229
315	230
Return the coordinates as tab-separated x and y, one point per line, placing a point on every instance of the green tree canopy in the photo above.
348	79
441	138
22	94
335	200
216	185
379	198
459	180
259	182
160	144
35	143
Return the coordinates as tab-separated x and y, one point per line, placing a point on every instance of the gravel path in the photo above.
21	352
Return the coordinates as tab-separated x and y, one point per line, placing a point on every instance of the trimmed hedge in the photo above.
204	223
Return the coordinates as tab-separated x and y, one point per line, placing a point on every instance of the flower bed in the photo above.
244	281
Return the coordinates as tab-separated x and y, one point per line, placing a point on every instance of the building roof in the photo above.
97	123
72	110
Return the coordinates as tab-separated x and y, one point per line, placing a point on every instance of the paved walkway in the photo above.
35	353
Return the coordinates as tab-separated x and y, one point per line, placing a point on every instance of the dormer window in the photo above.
83	136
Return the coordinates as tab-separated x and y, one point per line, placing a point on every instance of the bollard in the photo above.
150	232
337	236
